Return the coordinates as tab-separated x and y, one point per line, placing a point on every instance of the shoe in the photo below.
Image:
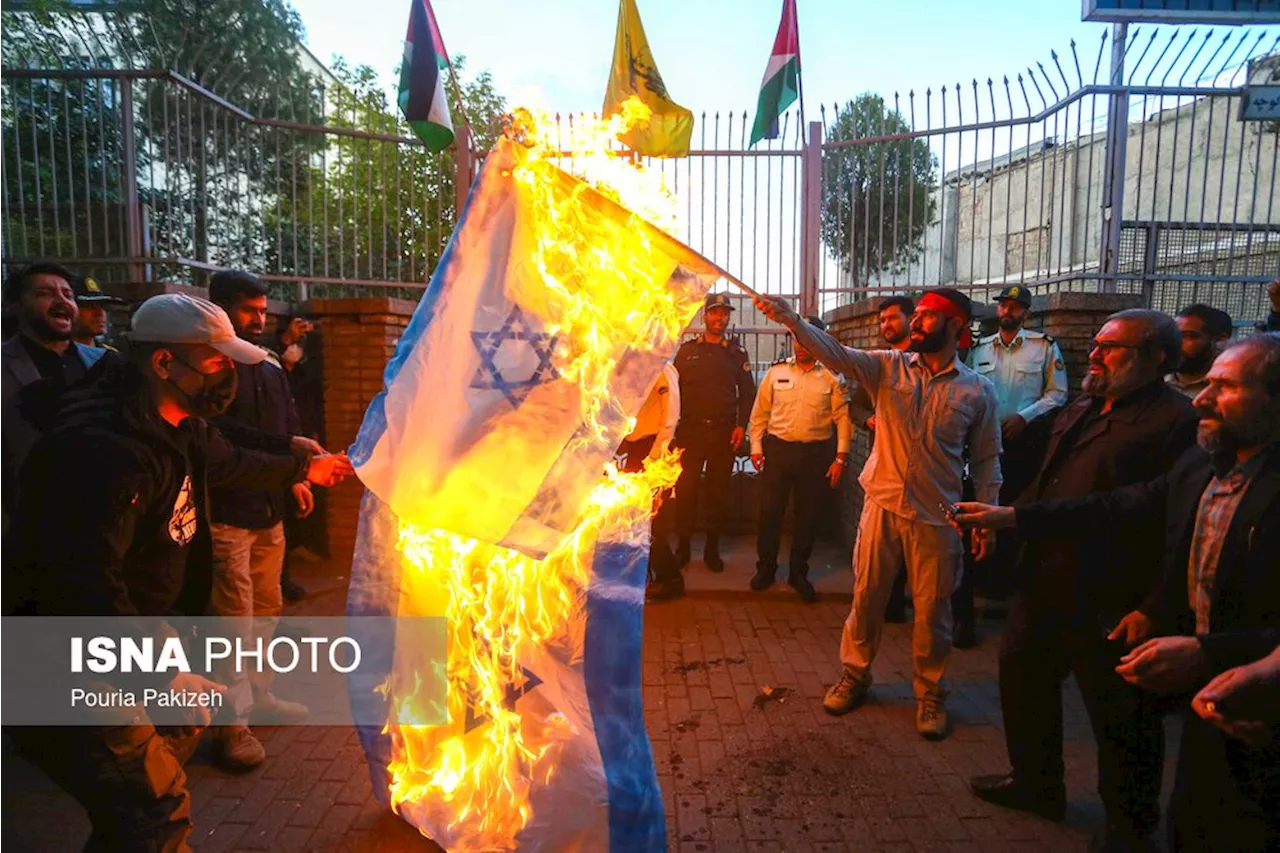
291	590
272	711
845	695
237	749
931	718
807	593
1121	839
963	636
683	553
664	589
304	554
763	579
896	615
1007	792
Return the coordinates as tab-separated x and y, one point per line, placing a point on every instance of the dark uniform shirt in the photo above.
716	386
59	369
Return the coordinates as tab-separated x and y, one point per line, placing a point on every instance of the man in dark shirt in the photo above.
133	541
716	393
1127	427
39	361
248	526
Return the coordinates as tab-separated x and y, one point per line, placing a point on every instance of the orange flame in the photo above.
596	289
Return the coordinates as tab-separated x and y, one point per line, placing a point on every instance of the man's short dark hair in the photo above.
1159	333
17	282
904	302
1217	323
227	287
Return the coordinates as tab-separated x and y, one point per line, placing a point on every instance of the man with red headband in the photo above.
929	406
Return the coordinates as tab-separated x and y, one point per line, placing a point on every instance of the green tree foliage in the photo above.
233	168
876	197
383	208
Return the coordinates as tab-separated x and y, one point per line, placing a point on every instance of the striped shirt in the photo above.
1218	505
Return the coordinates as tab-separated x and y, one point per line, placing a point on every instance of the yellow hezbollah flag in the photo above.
635	74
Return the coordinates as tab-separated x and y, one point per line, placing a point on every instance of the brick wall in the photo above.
1071	318
357	338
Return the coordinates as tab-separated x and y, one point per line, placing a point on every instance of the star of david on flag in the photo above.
517	331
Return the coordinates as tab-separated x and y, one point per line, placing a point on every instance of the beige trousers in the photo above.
933	558
246	583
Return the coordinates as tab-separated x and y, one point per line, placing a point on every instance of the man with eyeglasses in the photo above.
1069	613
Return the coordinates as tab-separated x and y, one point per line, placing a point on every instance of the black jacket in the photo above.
1100	577
1244	620
113	513
262	417
716	385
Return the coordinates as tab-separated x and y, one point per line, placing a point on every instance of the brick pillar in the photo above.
855	325
357	338
1072	319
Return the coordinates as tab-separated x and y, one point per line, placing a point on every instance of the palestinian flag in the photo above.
422	76
781	82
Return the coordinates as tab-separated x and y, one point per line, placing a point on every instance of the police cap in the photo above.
1016	292
717	300
88	291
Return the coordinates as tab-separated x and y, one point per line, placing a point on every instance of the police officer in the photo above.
1030	377
91	318
716	393
799	408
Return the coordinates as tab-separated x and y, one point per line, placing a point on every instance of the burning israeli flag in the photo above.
492	501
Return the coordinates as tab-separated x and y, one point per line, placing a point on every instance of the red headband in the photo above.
947	308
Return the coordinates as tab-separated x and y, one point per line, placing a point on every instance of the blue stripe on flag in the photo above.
612	672
375	417
374	591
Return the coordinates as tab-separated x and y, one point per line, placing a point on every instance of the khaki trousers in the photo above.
246	583
933	558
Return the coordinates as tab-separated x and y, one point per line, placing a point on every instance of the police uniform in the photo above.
1030	378
796	415
716	393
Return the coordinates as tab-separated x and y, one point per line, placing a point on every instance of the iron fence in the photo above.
1056	179
1029	180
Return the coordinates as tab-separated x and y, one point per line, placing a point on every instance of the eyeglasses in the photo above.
1108	346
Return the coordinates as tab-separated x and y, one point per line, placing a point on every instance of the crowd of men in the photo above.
151	483
1138	521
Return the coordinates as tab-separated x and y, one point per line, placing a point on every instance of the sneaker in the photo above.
237	749
713	561
802	586
272	711
763	580
931	718
963	635
845	695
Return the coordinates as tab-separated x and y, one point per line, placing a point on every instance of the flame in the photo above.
504	607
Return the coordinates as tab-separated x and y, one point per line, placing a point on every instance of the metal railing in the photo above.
983	184
138	174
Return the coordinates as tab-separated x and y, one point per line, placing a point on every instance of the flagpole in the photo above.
804	128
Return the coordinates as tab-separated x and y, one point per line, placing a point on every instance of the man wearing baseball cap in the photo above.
134	541
91	318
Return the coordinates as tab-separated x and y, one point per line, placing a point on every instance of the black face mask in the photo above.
214	394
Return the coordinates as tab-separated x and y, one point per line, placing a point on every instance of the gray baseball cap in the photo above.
176	318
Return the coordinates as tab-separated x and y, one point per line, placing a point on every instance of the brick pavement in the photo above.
739	770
